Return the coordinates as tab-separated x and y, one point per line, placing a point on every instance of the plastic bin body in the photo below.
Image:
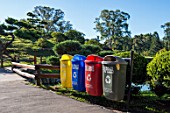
93	75
114	77
78	72
66	71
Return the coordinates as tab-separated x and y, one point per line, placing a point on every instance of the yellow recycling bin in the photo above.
66	71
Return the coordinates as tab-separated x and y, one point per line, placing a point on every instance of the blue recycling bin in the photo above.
78	72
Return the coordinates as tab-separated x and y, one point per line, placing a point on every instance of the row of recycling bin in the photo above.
94	74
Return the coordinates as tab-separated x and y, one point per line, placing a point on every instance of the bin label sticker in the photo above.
75	66
89	68
74	75
109	70
64	75
89	77
74	83
108	79
108	90
63	65
89	86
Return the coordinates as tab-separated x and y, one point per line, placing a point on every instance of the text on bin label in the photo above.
89	68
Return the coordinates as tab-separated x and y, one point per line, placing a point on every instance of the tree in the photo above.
52	19
138	43
67	47
112	24
24	29
75	35
156	44
94	42
58	37
147	44
166	38
7	36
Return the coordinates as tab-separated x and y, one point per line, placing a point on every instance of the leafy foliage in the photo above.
31	34
139	70
159	71
43	43
94	42
104	53
51	19
58	37
148	44
166	38
75	35
112	24
53	60
94	49
67	47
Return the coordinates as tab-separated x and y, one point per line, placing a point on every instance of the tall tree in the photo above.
147	44
166	38
156	44
52	19
112	24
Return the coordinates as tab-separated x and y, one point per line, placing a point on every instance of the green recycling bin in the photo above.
114	77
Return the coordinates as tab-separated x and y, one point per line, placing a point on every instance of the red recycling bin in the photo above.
93	75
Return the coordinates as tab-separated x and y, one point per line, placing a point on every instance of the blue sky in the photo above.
147	16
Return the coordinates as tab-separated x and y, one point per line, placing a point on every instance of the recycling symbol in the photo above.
74	75
108	79
89	77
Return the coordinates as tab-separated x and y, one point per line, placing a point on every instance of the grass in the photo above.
145	101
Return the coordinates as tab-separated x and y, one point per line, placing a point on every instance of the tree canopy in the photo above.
52	19
112	24
166	38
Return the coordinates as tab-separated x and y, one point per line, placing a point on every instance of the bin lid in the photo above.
78	57
66	57
93	58
110	59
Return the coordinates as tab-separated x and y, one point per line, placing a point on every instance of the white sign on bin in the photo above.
89	68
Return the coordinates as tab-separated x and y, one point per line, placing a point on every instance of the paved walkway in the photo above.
18	97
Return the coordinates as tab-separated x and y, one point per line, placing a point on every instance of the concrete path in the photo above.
18	97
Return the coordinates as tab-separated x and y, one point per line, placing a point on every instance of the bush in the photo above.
139	67
159	72
53	60
85	52
104	53
58	37
93	48
67	47
89	49
43	43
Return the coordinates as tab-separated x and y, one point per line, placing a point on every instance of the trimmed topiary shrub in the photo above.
53	60
93	48
85	52
43	43
104	53
159	72
139	67
67	47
